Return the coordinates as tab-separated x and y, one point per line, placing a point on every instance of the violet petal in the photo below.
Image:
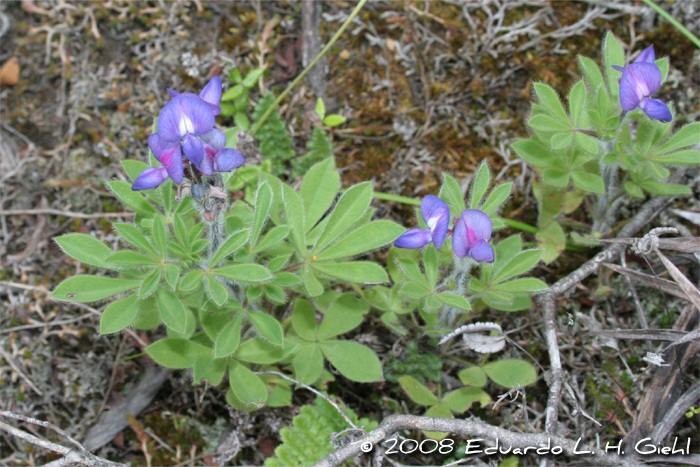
228	159
656	108
482	251
647	76
460	243
629	92
414	238
212	91
193	149
648	55
214	140
150	178
436	213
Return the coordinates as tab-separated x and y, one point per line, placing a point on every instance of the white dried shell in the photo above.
482	343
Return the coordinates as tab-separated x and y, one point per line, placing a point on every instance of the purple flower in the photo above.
183	119
472	234
167	153
436	214
186	129
639	81
211	94
217	158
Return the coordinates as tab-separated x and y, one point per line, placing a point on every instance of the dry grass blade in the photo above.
652	281
642	334
683	244
691	336
693	217
690	290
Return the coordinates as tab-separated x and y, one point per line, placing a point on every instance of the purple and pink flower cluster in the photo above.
186	132
471	234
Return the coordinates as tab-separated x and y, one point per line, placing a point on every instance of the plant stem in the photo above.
397	198
519	225
674	23
296	81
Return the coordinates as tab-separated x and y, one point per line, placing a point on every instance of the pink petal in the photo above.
478	224
214	140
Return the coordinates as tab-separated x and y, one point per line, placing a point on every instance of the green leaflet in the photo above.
119	315
318	190
353	360
369	237
86	249
177	353
85	288
350	207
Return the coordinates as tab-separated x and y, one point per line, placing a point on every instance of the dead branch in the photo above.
475	429
70	455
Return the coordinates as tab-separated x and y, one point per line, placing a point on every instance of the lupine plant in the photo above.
613	142
274	282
